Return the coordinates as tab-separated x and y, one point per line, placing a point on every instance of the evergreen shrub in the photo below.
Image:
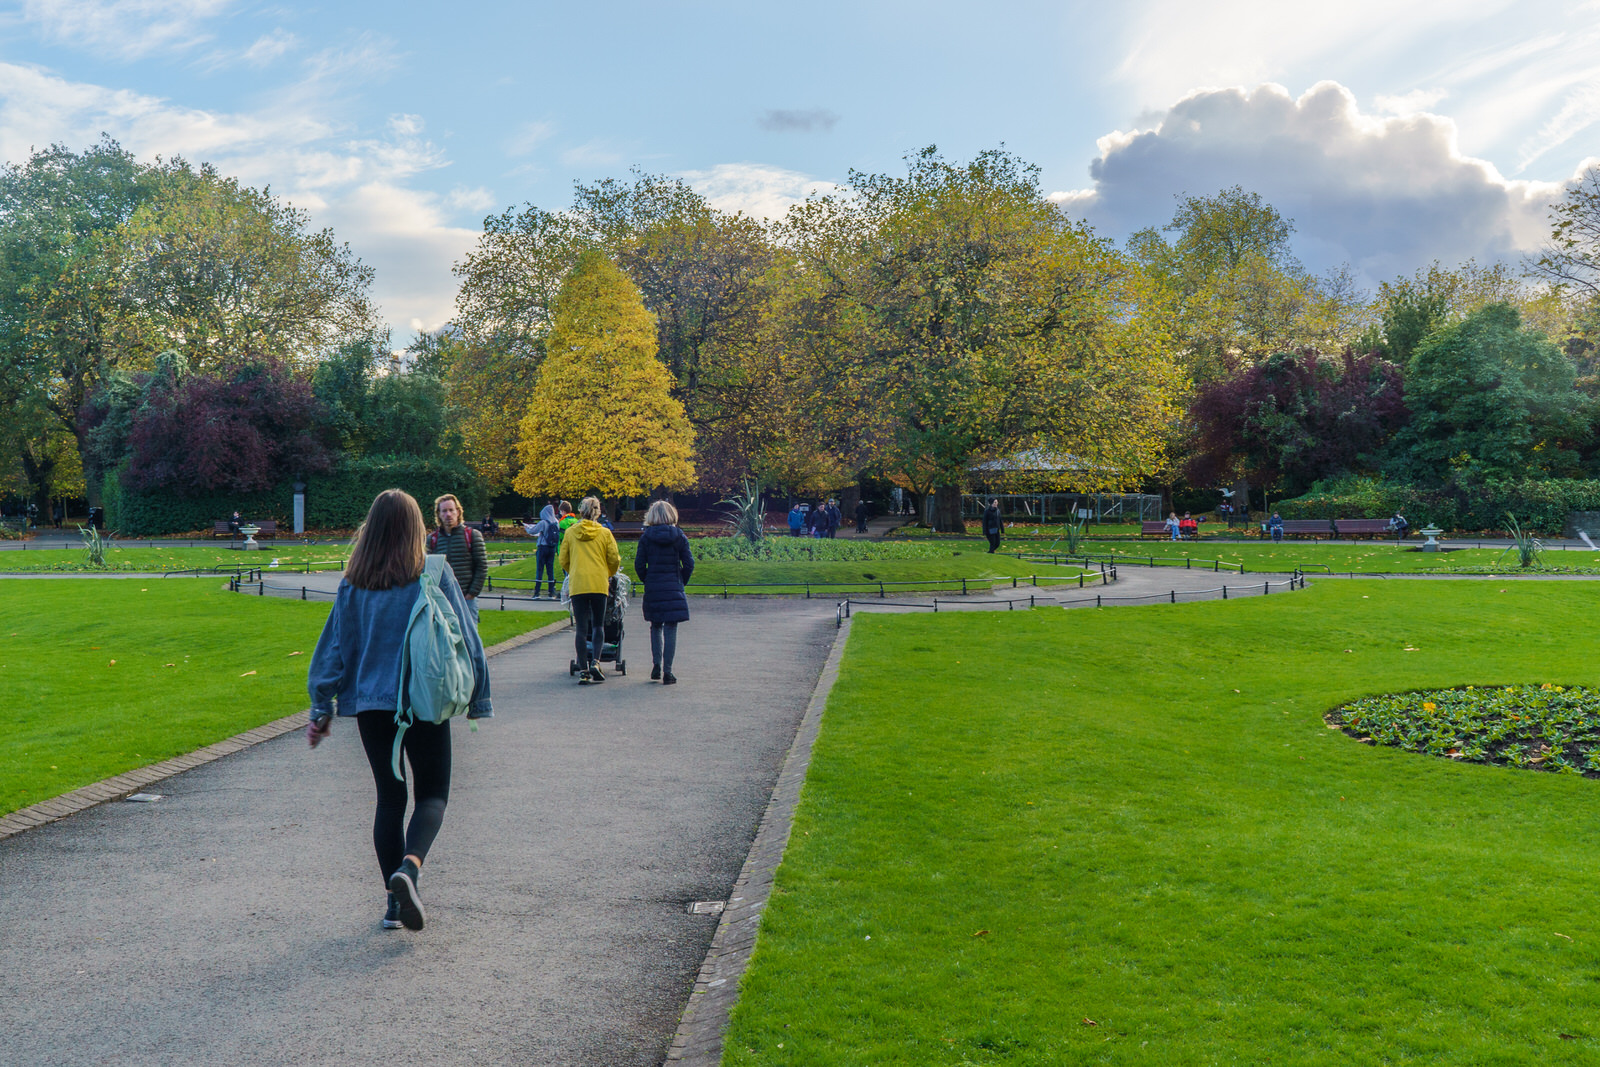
337	500
1540	505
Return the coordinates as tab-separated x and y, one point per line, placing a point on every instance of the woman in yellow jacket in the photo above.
589	557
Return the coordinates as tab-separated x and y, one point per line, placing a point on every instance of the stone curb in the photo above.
119	786
704	1024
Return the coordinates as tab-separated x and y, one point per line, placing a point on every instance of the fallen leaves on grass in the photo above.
1089	1022
297	653
247	674
981	933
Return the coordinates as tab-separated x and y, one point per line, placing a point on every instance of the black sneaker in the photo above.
669	679
584	679
655	673
403	884
595	675
391	918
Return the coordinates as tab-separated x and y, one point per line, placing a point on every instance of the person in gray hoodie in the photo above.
355	671
547	538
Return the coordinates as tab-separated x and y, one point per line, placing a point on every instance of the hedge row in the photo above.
337	500
1542	506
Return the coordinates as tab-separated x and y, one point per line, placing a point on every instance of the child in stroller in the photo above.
618	592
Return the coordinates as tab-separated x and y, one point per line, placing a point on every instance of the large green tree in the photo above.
61	326
953	315
1490	398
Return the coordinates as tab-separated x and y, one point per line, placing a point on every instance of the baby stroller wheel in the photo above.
622	666
572	667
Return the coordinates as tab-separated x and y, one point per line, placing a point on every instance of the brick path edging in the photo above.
133	781
705	1021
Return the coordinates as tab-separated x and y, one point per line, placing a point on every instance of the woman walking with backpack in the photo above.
663	563
356	671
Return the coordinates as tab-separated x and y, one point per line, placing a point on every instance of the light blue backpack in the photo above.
436	675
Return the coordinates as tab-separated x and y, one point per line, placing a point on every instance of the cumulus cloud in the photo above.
354	184
1385	194
127	29
811	120
756	189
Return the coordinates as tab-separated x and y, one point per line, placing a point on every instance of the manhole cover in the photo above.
707	907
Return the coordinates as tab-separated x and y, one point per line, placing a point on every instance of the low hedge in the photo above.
1539	505
337	500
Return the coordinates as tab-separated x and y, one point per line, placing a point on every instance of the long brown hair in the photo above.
390	546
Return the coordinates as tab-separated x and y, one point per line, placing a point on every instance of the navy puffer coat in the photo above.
663	563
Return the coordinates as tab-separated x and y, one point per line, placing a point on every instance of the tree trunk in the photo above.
946	516
1241	499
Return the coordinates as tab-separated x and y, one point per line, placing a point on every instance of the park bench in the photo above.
1302	528
1153	529
628	531
1361	527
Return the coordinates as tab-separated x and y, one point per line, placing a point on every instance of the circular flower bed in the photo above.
1538	727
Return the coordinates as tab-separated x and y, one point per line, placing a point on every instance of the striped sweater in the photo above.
463	547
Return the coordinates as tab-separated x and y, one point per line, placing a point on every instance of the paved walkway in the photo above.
236	921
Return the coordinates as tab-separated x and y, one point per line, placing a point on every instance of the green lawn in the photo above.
1361	557
842	576
105	676
154	560
1128	836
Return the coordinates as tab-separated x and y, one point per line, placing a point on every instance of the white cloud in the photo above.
525	138
478	199
405	236
591	155
127	29
756	189
1386	194
354	184
1409	103
268	48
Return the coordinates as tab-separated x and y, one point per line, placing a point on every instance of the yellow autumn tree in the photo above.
602	416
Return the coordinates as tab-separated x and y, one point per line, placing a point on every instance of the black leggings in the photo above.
589	623
663	643
427	747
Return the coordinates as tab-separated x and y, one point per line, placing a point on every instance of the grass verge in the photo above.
1128	836
106	676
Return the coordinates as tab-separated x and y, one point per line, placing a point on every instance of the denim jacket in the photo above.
357	661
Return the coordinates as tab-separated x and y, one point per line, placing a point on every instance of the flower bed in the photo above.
1538	727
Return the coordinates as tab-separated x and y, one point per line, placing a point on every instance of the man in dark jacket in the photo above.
992	525
861	516
462	547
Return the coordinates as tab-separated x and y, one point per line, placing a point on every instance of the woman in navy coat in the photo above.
663	563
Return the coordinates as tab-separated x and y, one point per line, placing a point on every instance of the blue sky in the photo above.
1393	133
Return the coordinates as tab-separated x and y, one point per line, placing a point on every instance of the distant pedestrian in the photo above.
58	513
355	671
861	516
817	519
797	519
663	563
589	557
834	517
463	547
992	524
1173	528
1189	526
1400	526
1275	527
547	538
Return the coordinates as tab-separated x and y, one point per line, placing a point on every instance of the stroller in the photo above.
617	594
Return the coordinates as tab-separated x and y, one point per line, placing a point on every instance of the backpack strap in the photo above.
403	717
